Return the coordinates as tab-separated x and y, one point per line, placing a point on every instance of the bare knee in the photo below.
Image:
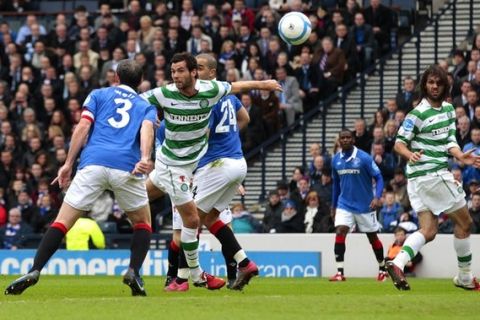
209	219
342	230
141	215
189	214
429	233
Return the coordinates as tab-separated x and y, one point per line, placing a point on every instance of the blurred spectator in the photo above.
269	104
273	212
307	77
45	214
297	174
317	215
463	131
390	212
324	189
404	98
85	234
399	187
472	102
13	234
364	38
470	172
385	161
134	13
345	41
316	174
382	20
331	64
475	212
3	207
105	10
461	100
362	138
243	221
26	29
7	168
85	51
291	220
289	98
254	134
27	208
400	237
460	65
390	132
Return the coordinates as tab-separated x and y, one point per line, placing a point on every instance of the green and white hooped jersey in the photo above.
186	119
431	130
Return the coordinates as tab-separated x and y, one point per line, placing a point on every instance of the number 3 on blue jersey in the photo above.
228	118
127	105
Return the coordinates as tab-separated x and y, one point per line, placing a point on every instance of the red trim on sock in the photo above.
144	226
60	226
216	227
377	244
174	246
340	239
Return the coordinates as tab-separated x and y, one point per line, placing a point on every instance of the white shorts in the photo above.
225	216
91	181
216	183
437	192
366	222
174	180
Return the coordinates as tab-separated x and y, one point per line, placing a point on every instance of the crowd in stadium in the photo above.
48	69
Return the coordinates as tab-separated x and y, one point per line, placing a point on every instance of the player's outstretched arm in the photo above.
468	158
242	86
78	139
145	165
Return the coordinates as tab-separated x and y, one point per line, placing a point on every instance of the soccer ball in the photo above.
294	28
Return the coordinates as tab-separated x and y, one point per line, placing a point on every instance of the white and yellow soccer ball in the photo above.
294	28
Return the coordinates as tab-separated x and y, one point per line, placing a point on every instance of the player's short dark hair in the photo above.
211	61
435	70
189	59
130	73
346	130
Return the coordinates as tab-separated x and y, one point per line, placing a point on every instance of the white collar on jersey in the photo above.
125	87
352	156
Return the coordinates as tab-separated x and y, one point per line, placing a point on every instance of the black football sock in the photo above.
173	253
140	244
50	243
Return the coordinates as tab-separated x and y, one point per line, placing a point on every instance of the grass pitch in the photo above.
102	297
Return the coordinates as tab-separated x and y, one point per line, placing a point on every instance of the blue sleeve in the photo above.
151	114
237	104
335	187
90	103
160	134
375	173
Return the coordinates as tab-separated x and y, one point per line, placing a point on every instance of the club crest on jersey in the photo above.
184	187
203	103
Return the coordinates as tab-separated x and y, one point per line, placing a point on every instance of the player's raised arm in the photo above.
241	86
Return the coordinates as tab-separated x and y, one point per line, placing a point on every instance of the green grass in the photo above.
68	297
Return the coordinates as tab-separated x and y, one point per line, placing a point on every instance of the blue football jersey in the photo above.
224	140
160	135
352	181
114	139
